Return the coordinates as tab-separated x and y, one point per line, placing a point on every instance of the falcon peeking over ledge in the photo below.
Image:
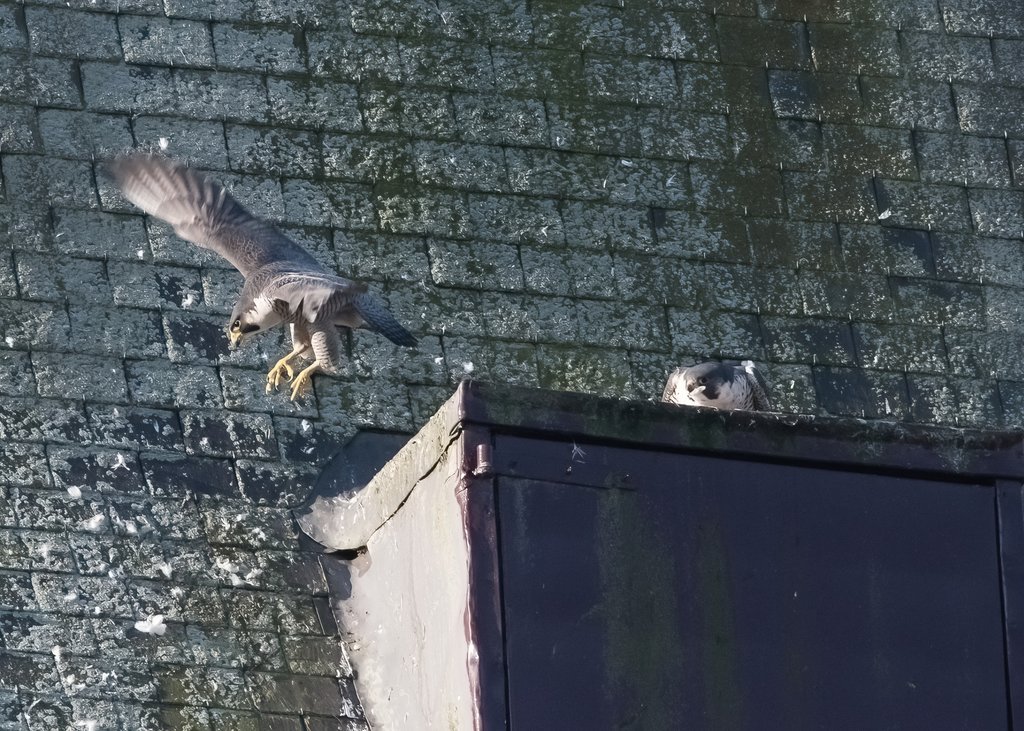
719	385
283	282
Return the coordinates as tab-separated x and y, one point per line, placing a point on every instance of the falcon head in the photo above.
705	383
249	317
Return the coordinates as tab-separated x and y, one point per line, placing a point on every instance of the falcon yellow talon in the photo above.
280	371
304	379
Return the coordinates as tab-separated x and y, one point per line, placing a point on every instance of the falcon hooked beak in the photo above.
235	338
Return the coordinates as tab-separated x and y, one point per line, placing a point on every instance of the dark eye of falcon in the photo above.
236	325
702	380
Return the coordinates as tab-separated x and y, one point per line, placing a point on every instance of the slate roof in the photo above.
578	196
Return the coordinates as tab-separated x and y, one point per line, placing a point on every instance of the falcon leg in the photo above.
282	370
305	378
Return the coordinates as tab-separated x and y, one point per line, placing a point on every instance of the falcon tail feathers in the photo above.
379	319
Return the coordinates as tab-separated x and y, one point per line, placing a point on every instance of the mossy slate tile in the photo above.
154	40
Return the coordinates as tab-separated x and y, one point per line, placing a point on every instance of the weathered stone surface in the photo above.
269	49
722	335
23	465
924	104
99	235
84	377
16	378
39	80
178	476
134	428
219	95
83	135
37	420
118	332
888	250
849	48
320	104
924	302
35	179
225	433
99	470
72	33
818	341
148	40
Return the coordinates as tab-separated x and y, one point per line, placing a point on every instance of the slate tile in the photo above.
816	341
39	420
181	476
497	120
83	135
95	470
228	434
72	33
855	49
134	428
84	377
941	55
917	104
111	87
197	142
716	334
35	179
17	591
314	104
760	42
258	49
159	41
23	465
28	671
338	52
421	114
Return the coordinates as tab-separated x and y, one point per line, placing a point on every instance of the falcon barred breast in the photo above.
283	282
719	385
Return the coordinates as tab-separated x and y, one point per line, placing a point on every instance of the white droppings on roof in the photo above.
75	491
165	568
225	565
163	142
306	425
95	523
152	625
468	367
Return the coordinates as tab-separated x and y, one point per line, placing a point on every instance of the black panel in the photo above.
1011	536
672	591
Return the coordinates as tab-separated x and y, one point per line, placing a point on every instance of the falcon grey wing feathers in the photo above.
323	296
380	319
758	386
203	212
311	293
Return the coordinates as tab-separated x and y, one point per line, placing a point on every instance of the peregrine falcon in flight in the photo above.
720	386
283	282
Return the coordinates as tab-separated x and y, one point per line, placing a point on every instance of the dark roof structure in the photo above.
576	196
541	560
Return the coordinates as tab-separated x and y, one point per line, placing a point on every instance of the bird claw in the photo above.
304	379
280	371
